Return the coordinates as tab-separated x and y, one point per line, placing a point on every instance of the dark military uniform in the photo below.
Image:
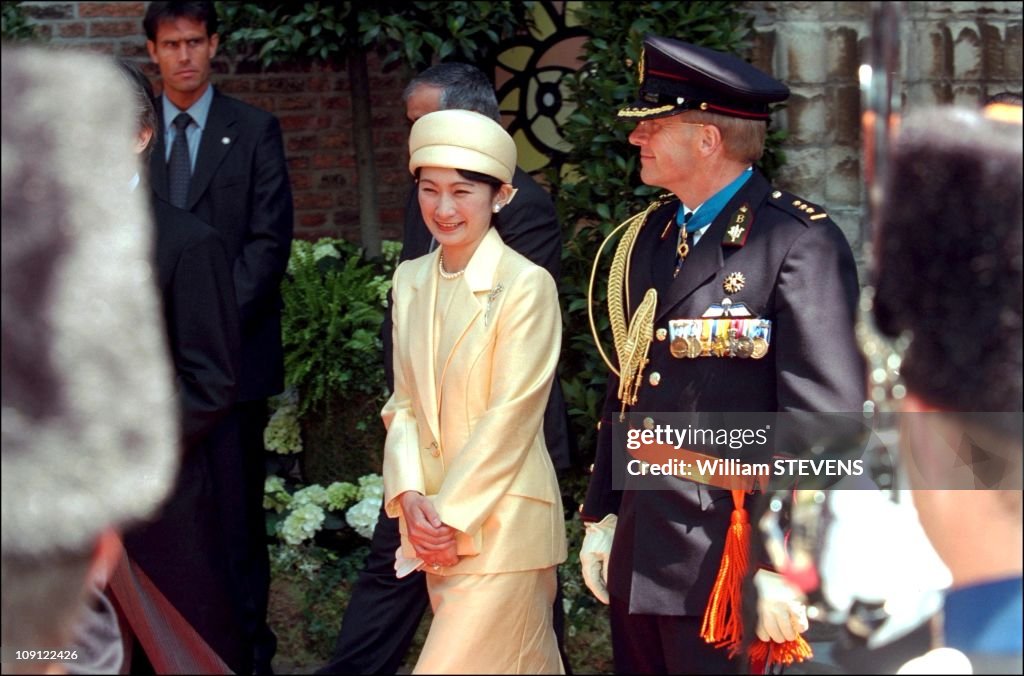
787	263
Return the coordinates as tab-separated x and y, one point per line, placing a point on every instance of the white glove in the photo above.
594	555
781	613
406	566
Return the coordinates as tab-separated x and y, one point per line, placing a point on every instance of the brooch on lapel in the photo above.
498	288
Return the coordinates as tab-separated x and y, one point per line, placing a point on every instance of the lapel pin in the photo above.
225	140
734	282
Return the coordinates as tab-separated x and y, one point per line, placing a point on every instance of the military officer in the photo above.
738	297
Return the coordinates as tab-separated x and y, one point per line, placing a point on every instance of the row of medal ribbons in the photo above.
723	337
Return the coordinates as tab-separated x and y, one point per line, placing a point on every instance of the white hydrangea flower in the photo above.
325	248
275	495
341	494
302	524
314	494
371	486
362	516
273	484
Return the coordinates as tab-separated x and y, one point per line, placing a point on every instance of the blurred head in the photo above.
142	103
182	39
949	260
450	86
464	164
89	412
949	277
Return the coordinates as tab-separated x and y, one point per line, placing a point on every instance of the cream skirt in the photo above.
491	624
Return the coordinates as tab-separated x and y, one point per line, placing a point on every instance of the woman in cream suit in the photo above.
477	331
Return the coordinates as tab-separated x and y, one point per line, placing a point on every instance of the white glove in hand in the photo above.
781	613
405	566
594	555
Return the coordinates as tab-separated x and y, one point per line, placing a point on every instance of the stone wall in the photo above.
956	52
950	52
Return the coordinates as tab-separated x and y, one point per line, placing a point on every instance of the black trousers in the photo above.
384	612
663	644
249	560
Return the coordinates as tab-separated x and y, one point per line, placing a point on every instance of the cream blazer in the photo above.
472	439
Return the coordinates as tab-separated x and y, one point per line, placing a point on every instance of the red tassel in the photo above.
723	621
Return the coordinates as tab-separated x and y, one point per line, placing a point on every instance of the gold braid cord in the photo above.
632	339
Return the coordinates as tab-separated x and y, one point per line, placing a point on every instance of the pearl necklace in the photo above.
444	273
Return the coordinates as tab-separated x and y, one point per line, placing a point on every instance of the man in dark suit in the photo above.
384	611
181	549
724	242
223	161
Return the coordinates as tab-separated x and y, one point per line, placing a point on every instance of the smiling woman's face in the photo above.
457	212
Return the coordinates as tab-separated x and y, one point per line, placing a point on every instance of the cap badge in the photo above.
734	282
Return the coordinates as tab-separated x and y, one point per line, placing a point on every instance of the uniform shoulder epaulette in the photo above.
807	212
658	202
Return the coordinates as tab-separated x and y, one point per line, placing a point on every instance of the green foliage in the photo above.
15	24
599	185
412	31
334	304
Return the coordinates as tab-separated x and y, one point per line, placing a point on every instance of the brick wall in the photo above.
951	52
310	100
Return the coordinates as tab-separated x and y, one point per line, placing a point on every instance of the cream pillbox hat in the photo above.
462	139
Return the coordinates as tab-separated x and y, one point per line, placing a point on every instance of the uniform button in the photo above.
435	452
648	423
661	334
591	470
655	378
581	508
777	194
598	425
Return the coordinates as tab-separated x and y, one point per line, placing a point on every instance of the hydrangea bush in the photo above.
305	510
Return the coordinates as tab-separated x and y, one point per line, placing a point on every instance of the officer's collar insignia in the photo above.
739	227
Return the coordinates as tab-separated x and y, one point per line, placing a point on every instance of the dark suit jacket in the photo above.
800	274
181	548
530	226
240	187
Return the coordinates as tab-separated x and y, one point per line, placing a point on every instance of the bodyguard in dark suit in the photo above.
223	160
181	547
384	611
723	238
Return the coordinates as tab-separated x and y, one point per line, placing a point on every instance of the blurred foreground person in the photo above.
88	423
949	281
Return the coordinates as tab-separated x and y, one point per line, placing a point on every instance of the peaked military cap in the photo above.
677	76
